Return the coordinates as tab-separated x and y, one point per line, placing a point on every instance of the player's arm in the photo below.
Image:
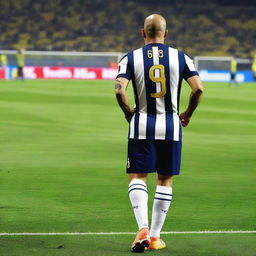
121	84
194	99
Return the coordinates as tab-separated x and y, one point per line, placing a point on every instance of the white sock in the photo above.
138	195
162	202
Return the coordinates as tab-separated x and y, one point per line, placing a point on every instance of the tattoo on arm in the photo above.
118	86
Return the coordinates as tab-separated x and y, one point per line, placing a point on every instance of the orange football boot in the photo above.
142	240
156	243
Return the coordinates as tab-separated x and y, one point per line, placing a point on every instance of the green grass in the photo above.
62	169
182	245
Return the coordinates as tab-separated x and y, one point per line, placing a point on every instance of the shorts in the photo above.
20	71
232	76
161	156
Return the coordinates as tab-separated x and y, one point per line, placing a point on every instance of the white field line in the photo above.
128	233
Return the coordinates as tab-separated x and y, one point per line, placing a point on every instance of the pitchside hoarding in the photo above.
107	73
31	72
224	76
3	73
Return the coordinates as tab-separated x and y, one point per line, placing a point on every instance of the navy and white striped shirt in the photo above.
156	71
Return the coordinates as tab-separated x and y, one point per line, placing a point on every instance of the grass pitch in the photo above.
62	169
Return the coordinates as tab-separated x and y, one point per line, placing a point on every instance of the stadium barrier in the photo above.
3	73
217	68
31	72
103	65
225	76
63	65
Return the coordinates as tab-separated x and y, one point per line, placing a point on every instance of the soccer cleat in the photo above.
142	240
156	243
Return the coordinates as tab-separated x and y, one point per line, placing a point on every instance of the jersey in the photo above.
254	66
233	66
156	72
3	60
20	59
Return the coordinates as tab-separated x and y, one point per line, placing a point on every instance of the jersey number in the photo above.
160	53
158	79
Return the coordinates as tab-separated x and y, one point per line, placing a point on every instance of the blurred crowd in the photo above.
98	25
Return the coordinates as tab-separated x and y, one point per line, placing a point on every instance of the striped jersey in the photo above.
156	72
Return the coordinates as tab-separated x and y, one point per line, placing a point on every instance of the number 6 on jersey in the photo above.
160	78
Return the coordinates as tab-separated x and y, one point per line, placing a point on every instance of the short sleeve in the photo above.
189	68
124	69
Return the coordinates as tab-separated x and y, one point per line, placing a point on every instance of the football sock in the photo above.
162	202
138	195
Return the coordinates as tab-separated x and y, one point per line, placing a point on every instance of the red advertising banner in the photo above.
69	73
2	73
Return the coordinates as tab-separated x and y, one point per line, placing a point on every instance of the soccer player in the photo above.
233	70
155	134
20	64
3	60
254	68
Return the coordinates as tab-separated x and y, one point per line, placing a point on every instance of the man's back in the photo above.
156	71
154	143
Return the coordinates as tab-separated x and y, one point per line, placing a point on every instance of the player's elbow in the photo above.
198	94
196	85
199	91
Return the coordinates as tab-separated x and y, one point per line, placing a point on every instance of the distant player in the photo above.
20	64
3	60
155	133
233	70
254	68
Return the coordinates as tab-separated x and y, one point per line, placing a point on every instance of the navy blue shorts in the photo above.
161	156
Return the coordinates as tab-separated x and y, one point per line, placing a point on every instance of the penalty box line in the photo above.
128	233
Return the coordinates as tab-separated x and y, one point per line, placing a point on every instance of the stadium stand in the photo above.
98	25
